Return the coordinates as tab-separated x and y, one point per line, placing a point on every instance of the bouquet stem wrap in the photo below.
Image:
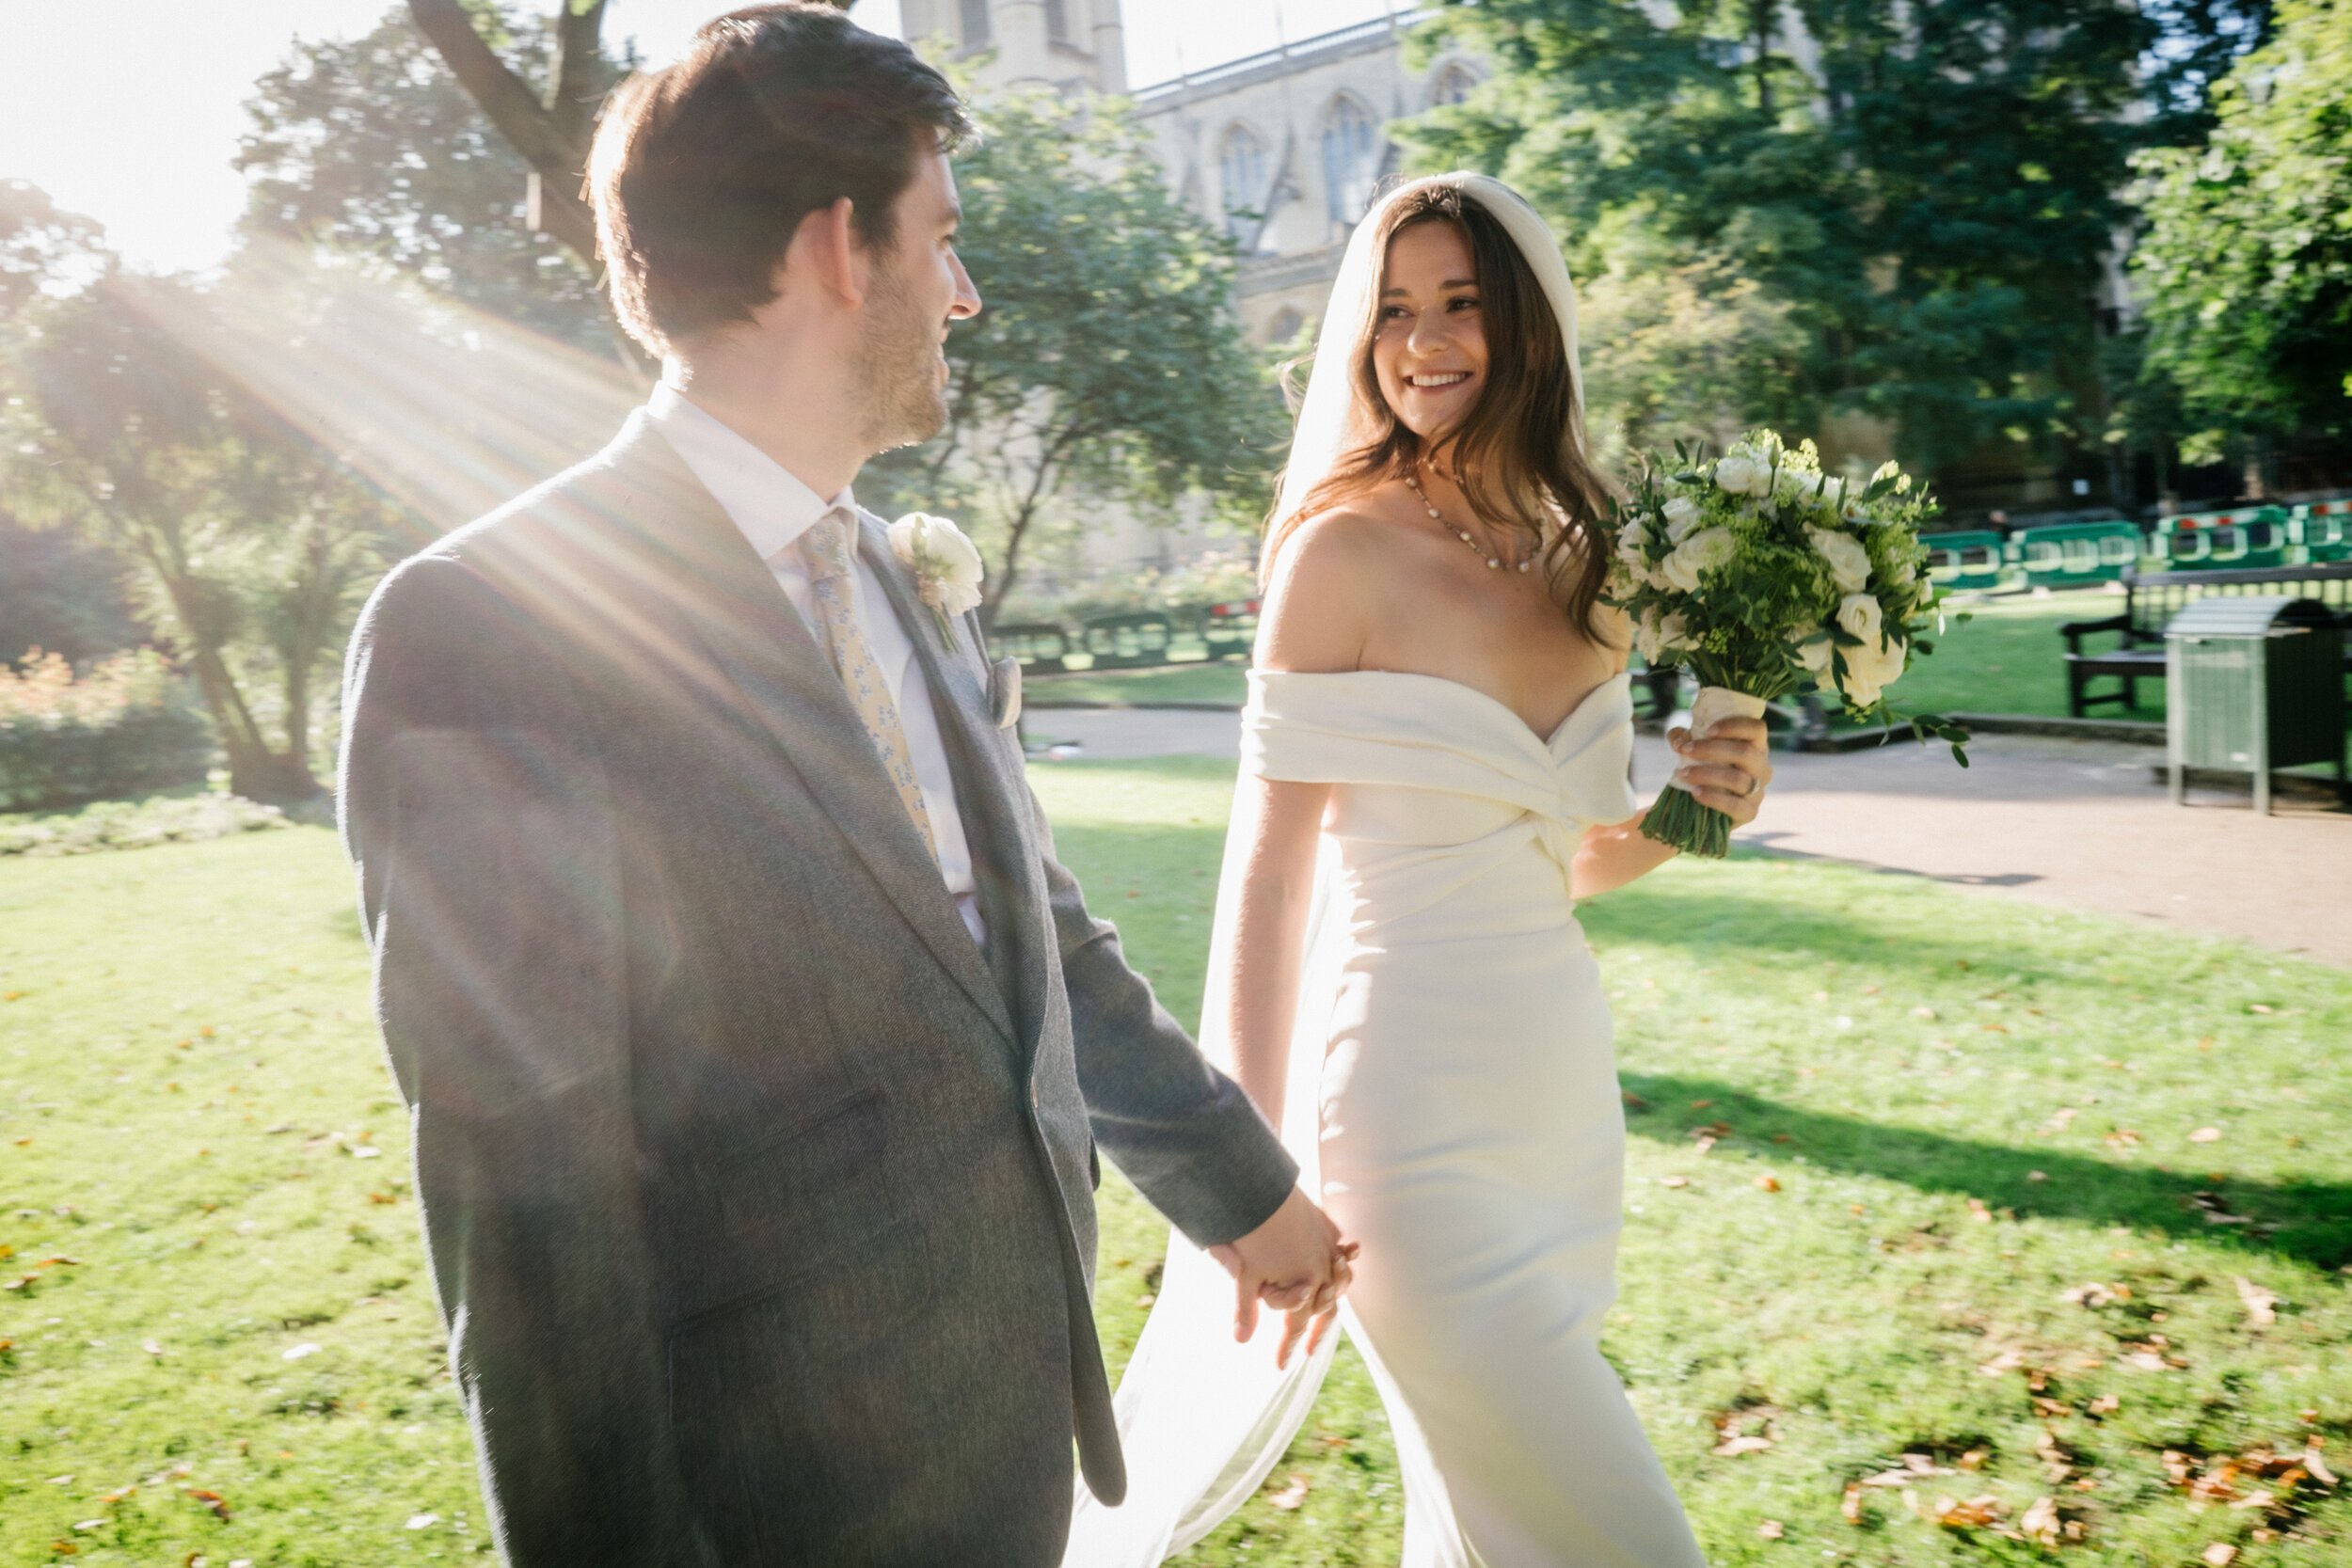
1676	819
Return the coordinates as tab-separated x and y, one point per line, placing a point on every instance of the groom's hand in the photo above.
1295	1264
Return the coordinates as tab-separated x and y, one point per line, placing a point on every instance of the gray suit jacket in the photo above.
758	1199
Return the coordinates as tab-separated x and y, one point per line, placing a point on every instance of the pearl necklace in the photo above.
1494	562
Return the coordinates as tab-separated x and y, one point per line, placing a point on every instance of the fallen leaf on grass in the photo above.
1674	1180
2261	1304
2221	1554
1291	1496
1850	1506
2094	1293
2205	1135
1732	1448
1770	1529
1768	1183
2106	1404
423	1521
2122	1137
213	1500
1967	1513
2316	1465
2037	1175
2041	1523
2215	1210
1978	1212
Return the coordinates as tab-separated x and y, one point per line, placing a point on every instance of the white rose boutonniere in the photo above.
946	563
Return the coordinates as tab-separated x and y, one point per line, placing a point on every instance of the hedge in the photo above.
121	729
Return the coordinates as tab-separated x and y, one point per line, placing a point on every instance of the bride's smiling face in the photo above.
1428	345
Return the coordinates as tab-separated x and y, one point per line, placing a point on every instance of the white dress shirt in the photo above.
774	508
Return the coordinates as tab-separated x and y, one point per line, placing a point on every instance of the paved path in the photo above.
2073	823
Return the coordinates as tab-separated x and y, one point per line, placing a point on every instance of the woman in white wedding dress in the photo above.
1435	768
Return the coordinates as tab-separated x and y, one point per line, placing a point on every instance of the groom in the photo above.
757	1045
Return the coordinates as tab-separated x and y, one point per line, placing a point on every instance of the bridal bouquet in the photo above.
1765	576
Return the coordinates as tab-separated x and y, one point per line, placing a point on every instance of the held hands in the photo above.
1728	770
1295	1263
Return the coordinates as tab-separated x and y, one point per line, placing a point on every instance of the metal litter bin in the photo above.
2256	684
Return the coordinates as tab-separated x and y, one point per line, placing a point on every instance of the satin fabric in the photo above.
1453	1105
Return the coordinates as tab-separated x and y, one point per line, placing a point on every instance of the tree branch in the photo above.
579	48
526	124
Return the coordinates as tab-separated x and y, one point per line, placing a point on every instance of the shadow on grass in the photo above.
2309	1222
1769	930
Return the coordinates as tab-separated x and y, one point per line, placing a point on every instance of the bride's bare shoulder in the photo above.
1329	585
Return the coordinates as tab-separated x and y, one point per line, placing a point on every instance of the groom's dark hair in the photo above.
703	170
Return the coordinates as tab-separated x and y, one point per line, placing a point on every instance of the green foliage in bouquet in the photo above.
1765	576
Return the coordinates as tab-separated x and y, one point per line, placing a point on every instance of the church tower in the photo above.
1072	46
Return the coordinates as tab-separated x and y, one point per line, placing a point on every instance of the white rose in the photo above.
1741	475
1871	669
1682	516
1701	552
1860	616
1849	563
946	563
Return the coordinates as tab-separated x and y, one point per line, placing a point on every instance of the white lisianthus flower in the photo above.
945	562
1655	634
1701	552
1633	545
1813	651
1849	563
1741	474
1682	516
1859	615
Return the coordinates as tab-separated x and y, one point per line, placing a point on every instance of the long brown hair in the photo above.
1519	453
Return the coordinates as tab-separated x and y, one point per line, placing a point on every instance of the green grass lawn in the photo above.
1180	683
1933	1114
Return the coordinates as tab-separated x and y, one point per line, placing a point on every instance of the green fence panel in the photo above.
1966	560
2077	555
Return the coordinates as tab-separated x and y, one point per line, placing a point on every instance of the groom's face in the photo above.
918	288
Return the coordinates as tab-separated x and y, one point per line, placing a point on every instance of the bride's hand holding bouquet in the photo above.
1765	576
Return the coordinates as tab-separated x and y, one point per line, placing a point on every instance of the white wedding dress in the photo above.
1453	1097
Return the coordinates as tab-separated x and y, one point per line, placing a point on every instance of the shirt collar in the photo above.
768	503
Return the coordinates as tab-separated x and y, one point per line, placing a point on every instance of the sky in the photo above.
128	111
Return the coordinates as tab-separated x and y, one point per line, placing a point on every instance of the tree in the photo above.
2245	271
1106	366
373	147
1925	189
245	547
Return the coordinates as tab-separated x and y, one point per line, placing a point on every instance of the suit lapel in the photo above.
742	619
991	791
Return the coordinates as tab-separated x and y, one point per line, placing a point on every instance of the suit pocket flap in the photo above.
775	1185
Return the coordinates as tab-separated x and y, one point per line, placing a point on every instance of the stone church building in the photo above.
1281	149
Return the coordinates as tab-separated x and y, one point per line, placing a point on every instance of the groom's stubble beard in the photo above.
900	399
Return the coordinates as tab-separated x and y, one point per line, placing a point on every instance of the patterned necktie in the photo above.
827	547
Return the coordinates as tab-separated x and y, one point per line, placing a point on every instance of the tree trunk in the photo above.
551	145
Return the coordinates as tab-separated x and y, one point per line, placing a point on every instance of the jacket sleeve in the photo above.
1184	1133
474	809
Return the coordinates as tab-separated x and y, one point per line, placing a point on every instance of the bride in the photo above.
1435	768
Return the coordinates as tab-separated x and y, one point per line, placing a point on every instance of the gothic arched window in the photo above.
1351	159
1454	84
1241	179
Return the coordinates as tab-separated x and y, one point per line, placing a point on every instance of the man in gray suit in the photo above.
757	1046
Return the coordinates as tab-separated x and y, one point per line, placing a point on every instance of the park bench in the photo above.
2151	599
